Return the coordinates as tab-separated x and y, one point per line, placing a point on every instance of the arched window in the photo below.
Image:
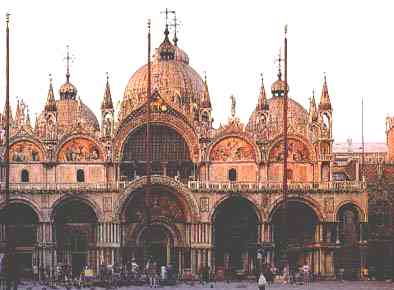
80	175
24	176
232	175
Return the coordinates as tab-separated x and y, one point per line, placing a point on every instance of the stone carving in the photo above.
25	151
233	149
297	151
158	206
329	205
79	149
204	204
107	203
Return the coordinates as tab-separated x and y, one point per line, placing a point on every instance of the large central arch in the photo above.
235	235
155	226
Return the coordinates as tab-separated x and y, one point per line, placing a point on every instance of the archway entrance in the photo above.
348	256
235	226
21	221
155	227
75	224
301	227
157	244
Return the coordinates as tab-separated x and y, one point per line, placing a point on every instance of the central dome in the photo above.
175	81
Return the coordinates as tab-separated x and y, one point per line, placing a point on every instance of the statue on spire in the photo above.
233	103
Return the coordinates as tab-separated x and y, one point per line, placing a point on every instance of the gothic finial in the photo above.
107	99
232	98
325	103
7	19
176	23
68	59
279	60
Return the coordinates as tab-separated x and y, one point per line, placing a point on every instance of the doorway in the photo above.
158	244
78	262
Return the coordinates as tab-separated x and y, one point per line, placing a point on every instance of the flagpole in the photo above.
148	152
8	252
285	154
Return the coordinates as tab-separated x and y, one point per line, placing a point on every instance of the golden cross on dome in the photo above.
279	60
166	12
68	58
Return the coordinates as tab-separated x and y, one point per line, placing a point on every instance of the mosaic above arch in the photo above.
79	149
23	151
233	149
297	151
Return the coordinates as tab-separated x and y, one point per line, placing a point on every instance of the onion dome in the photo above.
279	87
173	79
68	91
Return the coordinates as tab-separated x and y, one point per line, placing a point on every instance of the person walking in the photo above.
262	282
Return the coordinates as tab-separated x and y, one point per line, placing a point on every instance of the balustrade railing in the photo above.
200	186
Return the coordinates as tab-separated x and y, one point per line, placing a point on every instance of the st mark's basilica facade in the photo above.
77	183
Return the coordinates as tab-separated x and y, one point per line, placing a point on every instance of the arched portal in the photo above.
75	227
155	227
235	233
300	233
21	221
348	256
170	153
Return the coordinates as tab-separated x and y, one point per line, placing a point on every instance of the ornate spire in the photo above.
107	99
206	101
325	103
67	58
262	103
51	103
166	49
68	91
36	125
312	108
28	123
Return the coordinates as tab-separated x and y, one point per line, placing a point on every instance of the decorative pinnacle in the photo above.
176	23
205	75
50	78
149	24
279	60
286	30
7	18
262	78
166	12
107	76
68	59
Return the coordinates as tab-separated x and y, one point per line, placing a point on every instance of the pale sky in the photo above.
233	41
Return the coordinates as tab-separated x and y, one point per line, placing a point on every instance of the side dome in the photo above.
175	81
273	124
70	115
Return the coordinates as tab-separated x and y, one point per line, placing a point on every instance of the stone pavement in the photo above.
358	285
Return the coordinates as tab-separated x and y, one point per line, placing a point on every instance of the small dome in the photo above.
68	91
181	55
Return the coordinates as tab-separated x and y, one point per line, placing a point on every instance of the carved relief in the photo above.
25	151
79	149
329	205
233	149
159	206
204	204
107	203
297	151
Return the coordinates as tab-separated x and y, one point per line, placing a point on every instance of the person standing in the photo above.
262	282
305	270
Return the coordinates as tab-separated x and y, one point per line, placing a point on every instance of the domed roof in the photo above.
278	88
68	91
297	118
71	114
176	82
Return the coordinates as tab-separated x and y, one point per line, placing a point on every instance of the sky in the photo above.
233	41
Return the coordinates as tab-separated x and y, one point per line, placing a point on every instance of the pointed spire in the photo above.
36	124
51	103
325	103
312	108
107	99
206	101
262	103
27	121
68	64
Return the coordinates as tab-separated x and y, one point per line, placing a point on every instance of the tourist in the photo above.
305	270
262	282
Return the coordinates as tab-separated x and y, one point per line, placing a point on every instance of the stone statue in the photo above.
233	103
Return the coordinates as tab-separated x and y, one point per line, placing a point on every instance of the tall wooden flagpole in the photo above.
8	254
148	147
285	154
